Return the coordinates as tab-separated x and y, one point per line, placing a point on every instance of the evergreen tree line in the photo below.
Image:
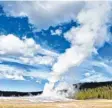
103	92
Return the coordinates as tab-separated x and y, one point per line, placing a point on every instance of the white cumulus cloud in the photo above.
44	13
98	77
56	32
26	51
9	72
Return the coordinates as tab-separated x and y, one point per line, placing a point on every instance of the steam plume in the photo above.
85	39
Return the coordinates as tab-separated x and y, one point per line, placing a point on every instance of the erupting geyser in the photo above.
85	40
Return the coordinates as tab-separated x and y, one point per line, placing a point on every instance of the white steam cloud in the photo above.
85	39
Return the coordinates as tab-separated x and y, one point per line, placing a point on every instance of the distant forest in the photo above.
15	93
95	90
91	90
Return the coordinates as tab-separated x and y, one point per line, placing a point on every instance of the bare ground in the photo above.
18	103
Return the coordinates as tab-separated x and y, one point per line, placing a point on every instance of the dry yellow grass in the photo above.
73	104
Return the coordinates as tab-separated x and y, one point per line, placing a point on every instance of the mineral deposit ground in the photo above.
19	103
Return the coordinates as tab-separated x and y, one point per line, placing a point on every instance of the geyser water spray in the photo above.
85	40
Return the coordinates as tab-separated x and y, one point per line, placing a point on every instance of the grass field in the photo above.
17	103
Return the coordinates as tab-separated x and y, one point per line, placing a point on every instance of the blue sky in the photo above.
30	45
